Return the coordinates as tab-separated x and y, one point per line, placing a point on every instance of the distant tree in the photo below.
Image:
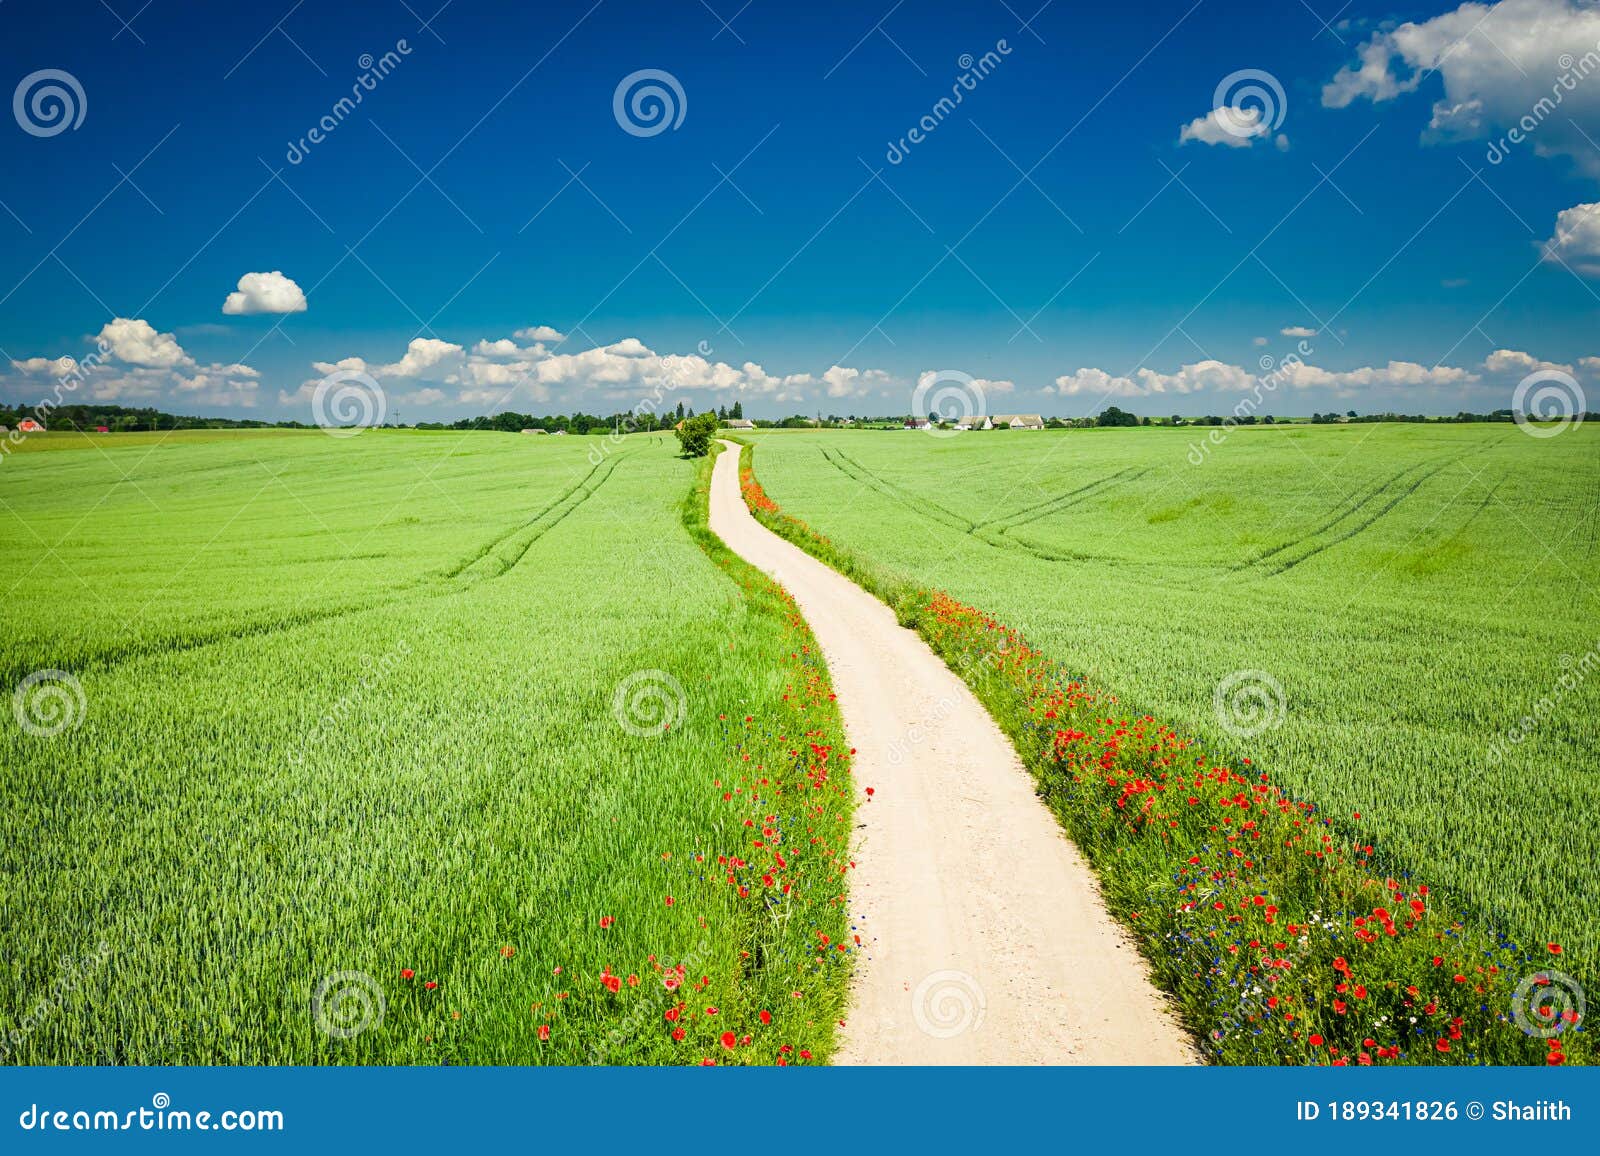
737	412
1115	416
680	411
695	434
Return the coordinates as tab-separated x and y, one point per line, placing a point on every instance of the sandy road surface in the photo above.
986	942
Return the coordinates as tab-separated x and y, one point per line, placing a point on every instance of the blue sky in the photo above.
1051	236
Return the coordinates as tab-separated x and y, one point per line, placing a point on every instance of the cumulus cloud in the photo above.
45	366
499	372
136	342
1577	239
425	357
1297	331
1514	361
265	293
540	333
1517	66
134	362
1235	127
1211	376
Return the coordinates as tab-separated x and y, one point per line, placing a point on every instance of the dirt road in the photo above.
985	939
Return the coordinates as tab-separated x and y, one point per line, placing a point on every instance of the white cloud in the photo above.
1577	239
357	364
1503	361
1098	382
425	357
265	293
1236	127
1516	67
842	381
1589	364
1258	341
1212	376
540	333
1297	331
136	342
504	347
48	366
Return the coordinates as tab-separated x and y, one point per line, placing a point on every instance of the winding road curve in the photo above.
985	938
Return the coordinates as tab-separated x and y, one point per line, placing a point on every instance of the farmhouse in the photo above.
971	423
739	423
534	430
1019	420
916	423
28	425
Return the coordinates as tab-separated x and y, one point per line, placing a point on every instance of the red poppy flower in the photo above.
670	901
728	1040
431	984
613	983
1315	1040
606	921
406	973
766	1017
1555	948
804	1055
1442	1045
544	1032
678	1034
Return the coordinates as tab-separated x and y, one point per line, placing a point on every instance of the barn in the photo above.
28	425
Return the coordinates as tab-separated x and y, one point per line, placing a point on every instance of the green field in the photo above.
348	710
1415	591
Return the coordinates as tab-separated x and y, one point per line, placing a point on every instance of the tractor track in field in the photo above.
1083	493
1406	481
856	472
422	587
484	551
583	488
993	534
1026	957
